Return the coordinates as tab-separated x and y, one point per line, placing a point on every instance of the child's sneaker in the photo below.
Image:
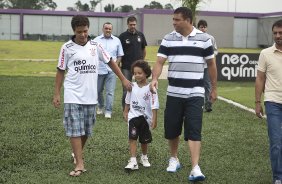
196	174
144	161
132	164
173	165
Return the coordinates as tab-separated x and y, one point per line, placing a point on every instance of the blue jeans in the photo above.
274	123
128	75
207	86
109	81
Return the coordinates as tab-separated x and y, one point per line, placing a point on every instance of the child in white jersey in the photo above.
140	113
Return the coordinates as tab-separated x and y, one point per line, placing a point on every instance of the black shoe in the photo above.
208	110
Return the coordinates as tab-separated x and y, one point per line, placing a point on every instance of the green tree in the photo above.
81	7
154	5
168	6
109	8
94	4
30	4
193	5
124	8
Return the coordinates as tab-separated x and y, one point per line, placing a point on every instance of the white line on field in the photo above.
238	105
28	59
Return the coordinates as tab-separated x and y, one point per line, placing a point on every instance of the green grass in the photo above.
240	92
14	49
34	147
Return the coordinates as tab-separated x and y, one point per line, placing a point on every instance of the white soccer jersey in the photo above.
81	64
141	101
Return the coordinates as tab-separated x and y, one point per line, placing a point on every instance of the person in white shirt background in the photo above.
106	77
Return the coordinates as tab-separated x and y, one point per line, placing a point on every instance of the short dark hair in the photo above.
107	23
202	23
79	20
278	23
144	65
185	12
131	19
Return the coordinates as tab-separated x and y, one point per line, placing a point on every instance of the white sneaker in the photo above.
173	165
108	115
144	161
277	182
132	164
196	174
99	111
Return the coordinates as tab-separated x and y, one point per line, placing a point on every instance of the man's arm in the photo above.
126	83
156	72
125	112
259	88
213	78
57	91
154	118
118	61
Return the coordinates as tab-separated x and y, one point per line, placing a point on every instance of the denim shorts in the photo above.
183	110
79	119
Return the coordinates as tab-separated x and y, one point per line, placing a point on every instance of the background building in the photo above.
234	30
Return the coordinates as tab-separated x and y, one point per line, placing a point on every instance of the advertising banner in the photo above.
237	66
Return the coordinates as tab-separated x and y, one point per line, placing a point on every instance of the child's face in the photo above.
139	74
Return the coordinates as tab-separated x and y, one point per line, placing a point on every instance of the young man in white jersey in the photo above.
140	113
80	57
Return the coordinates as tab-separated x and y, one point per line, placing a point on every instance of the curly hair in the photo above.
144	65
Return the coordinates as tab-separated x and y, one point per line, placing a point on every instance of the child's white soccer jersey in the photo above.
81	63
141	101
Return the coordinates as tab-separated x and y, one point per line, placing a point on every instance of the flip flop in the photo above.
76	173
73	158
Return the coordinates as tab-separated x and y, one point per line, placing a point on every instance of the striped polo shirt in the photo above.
187	57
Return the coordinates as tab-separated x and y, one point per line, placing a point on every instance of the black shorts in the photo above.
138	127
187	110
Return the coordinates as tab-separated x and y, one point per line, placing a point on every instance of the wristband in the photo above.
257	101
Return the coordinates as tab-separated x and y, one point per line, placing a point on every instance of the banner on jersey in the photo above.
236	66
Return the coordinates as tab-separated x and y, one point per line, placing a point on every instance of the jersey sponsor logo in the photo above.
137	107
82	67
62	59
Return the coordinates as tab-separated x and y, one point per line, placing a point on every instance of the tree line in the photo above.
78	6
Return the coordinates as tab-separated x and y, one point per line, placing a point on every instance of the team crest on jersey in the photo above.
138	39
127	41
133	131
146	96
93	51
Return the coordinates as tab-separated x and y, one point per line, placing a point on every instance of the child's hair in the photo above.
144	65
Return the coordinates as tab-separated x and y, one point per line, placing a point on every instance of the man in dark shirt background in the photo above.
133	44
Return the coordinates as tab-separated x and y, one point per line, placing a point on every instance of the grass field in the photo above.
34	148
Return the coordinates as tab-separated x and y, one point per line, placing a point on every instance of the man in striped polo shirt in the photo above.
187	50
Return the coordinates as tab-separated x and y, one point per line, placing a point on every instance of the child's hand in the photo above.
154	124
125	116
